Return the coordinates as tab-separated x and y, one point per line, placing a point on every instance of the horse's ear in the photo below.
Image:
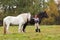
44	11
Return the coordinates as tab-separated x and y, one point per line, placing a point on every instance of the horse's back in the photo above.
8	17
12	20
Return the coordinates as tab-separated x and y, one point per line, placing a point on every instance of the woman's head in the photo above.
36	16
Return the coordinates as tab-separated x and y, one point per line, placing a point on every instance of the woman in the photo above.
36	19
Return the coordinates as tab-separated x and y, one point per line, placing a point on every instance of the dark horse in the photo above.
41	15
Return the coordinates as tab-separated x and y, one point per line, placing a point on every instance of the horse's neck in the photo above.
23	16
40	18
19	16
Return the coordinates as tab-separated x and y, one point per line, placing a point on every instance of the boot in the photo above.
38	30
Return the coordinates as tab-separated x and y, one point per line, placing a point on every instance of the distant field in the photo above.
48	32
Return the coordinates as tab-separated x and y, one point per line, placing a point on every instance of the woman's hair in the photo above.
36	16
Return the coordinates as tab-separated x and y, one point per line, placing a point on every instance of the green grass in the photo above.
48	32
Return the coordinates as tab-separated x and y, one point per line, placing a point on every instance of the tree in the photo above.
52	12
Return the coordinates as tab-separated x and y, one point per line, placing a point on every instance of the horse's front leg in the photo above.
24	26
20	28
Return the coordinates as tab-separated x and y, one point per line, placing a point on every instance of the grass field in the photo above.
48	32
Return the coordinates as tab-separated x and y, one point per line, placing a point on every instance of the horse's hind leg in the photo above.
7	28
4	25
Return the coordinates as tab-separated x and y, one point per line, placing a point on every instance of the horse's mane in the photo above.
19	14
22	14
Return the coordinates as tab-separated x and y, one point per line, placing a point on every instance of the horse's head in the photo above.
43	14
29	16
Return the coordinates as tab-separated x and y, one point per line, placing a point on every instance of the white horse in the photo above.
17	20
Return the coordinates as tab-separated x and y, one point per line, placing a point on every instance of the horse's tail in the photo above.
4	25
